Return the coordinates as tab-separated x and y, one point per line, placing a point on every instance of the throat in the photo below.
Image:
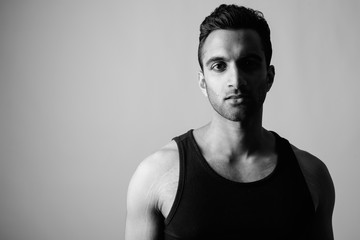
244	171
251	159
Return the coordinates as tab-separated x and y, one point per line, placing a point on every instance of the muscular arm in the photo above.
151	183
324	211
143	220
322	190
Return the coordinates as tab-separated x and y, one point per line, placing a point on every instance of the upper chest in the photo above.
250	170
246	172
208	200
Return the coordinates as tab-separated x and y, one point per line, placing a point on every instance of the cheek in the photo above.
261	92
213	96
210	91
258	86
213	89
259	80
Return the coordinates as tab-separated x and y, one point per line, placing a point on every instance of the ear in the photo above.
270	77
202	83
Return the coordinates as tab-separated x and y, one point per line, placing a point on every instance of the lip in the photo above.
237	96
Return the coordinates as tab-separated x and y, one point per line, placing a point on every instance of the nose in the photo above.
236	79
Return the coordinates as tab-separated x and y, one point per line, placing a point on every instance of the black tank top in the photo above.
209	206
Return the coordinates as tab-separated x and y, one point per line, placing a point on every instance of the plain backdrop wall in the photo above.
90	88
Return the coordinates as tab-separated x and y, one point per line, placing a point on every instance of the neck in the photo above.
235	139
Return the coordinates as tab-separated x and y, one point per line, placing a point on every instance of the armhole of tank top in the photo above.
180	187
296	162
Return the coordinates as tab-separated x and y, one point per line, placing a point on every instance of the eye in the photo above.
218	66
250	65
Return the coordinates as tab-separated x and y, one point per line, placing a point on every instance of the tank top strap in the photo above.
206	205
283	149
182	145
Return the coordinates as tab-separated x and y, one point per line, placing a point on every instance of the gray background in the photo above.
90	88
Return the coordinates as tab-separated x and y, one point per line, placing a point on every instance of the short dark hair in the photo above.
233	17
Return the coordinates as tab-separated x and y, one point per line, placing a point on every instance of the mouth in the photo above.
237	99
237	96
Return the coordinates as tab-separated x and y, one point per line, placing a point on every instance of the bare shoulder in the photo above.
160	161
152	171
317	177
322	190
144	219
309	162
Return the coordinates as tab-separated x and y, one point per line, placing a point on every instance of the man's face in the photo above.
235	76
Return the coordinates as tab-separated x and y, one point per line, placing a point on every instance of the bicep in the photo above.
143	225
143	221
322	190
323	221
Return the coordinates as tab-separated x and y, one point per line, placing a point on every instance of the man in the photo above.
232	179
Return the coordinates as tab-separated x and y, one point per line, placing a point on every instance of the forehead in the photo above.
232	43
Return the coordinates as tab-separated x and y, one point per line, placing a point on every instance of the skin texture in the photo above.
235	79
241	66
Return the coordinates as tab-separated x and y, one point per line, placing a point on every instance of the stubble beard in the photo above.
240	113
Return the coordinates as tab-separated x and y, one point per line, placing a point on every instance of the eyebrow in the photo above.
253	55
215	59
220	58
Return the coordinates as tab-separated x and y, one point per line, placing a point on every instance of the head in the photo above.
233	17
234	55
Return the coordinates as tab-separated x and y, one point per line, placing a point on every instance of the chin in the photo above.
235	116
